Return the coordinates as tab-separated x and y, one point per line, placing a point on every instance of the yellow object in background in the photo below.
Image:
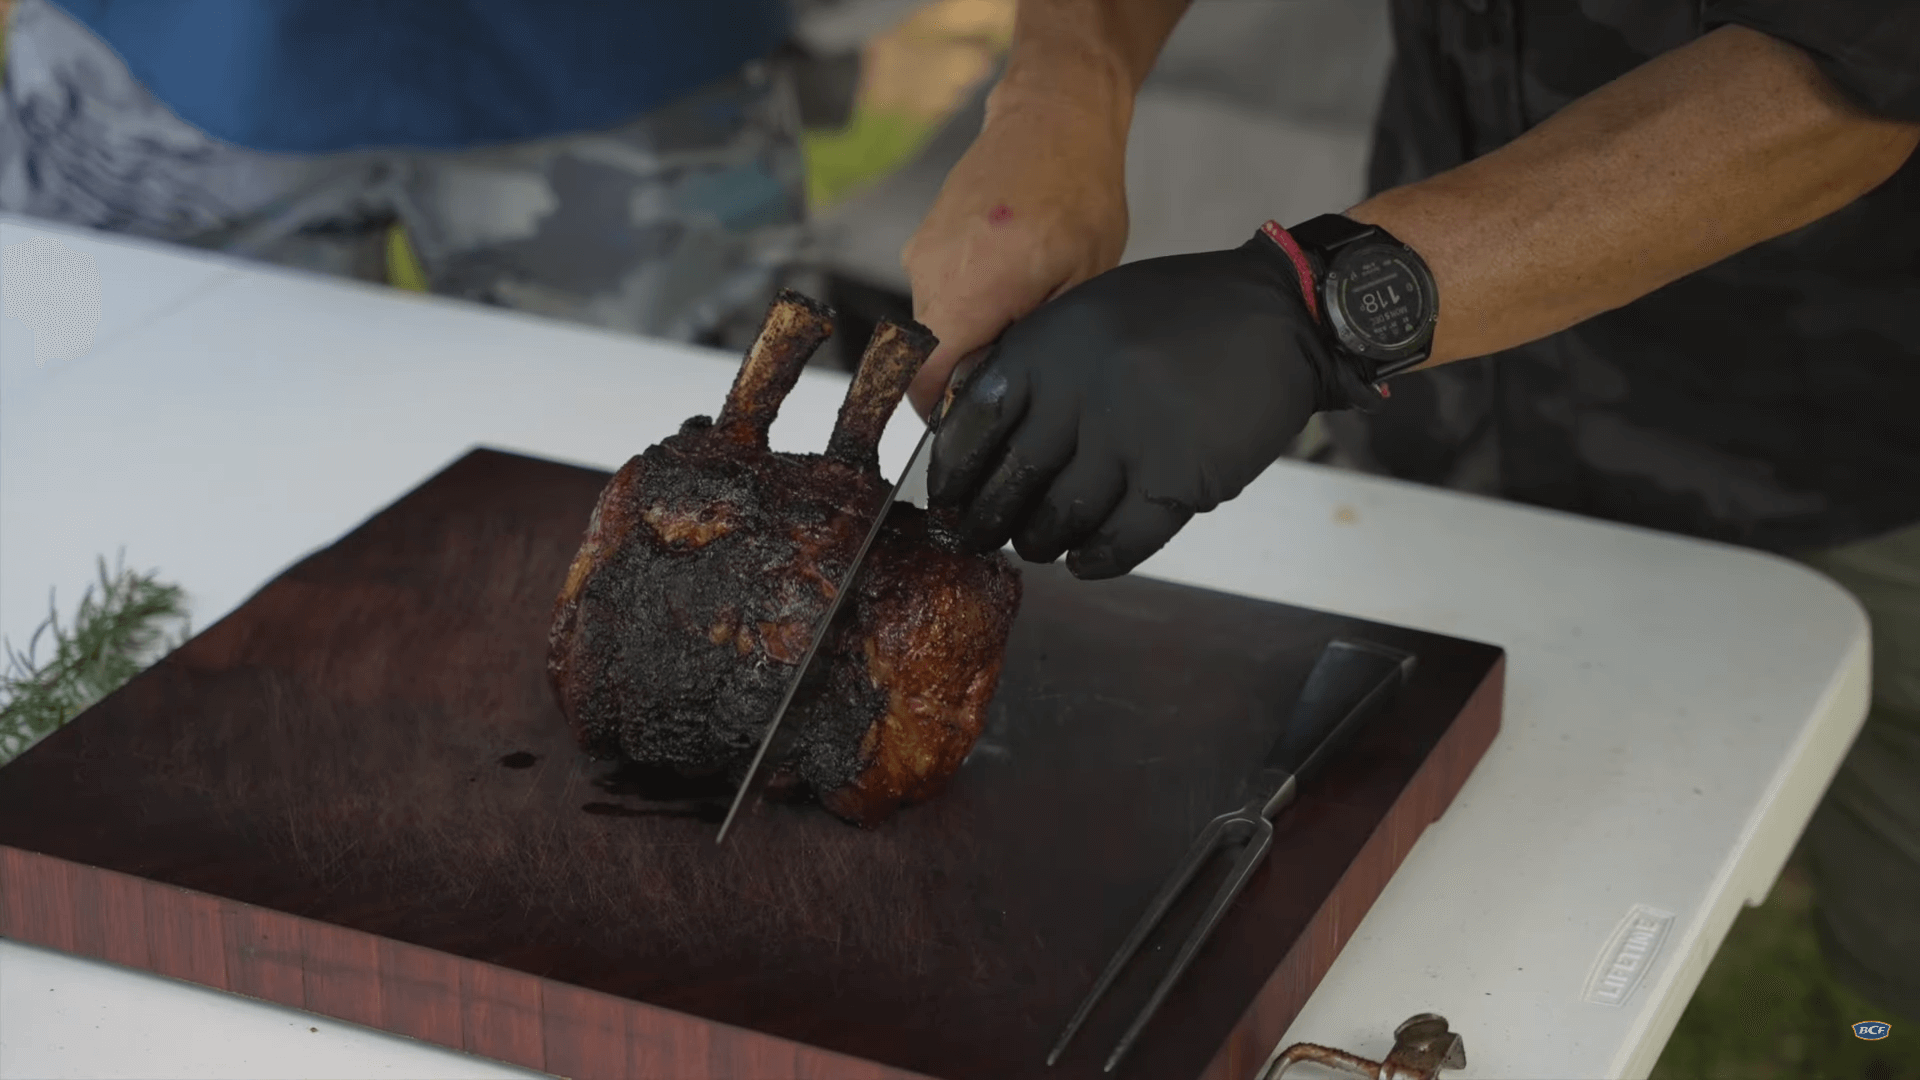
913	77
873	144
403	267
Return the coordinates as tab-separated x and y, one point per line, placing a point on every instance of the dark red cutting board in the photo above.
355	795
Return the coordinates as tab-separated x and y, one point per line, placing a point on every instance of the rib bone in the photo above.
795	327
894	354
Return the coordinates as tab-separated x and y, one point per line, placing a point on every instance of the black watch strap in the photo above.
1322	236
1352	376
1314	246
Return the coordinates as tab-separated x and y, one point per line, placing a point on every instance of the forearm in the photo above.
1708	150
1090	55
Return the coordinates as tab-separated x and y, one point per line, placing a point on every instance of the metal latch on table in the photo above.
1422	1047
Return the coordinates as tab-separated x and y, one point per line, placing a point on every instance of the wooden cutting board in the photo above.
355	795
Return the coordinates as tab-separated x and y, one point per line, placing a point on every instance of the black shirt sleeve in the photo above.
1869	48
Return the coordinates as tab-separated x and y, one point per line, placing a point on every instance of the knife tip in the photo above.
721	837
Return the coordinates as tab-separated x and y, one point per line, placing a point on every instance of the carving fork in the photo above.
1351	682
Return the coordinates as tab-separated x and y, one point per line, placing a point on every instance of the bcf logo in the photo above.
1871	1029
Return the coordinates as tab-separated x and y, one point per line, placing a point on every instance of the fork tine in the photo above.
1243	868
1190	864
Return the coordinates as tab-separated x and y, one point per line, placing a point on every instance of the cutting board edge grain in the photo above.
391	986
1428	795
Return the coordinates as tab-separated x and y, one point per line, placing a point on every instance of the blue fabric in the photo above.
319	76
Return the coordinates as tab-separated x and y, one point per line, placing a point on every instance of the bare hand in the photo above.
1037	205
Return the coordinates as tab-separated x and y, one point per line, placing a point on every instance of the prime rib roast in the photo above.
708	560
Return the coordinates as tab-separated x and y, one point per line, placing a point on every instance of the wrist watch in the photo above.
1372	295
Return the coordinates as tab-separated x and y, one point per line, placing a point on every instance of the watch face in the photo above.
1381	300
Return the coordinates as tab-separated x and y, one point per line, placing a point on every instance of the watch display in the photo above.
1379	300
1375	296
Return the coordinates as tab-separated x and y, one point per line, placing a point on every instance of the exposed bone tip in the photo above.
917	337
892	358
809	304
794	327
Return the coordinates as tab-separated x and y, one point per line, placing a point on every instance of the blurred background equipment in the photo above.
636	167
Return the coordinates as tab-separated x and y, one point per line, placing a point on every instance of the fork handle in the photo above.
1350	684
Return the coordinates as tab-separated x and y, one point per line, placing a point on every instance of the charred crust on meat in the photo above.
709	559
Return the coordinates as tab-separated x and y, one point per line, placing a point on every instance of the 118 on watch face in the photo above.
1382	301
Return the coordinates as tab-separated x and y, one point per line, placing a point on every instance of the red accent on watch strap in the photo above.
1302	269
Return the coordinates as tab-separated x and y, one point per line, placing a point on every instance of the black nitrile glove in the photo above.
1100	424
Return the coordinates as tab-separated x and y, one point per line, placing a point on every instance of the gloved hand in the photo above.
1101	423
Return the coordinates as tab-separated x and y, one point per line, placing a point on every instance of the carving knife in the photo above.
922	451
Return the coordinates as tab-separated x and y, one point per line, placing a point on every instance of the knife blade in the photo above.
921	451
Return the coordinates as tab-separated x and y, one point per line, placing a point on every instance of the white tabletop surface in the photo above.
1673	708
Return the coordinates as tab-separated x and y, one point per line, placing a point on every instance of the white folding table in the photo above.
1673	708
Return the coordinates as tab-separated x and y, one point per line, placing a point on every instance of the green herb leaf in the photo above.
117	631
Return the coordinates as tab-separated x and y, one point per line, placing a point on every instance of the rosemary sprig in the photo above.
114	635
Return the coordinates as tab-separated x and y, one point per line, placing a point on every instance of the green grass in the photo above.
1769	1009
